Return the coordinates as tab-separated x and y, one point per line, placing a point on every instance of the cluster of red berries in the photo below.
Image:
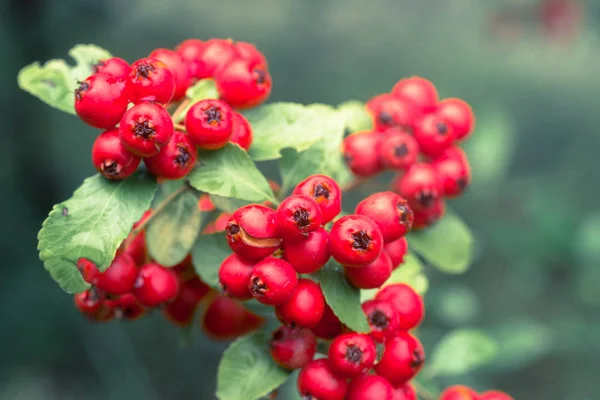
460	392
415	134
151	85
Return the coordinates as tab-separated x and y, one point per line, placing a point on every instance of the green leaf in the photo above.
447	245
247	370
92	224
356	117
462	351
55	81
343	298
281	125
229	172
208	254
295	167
201	90
227	204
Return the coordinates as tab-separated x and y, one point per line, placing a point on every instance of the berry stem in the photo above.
179	111
353	185
179	127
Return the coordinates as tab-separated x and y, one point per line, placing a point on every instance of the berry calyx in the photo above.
459	392
243	84
382	319
241	131
111	158
155	285
114	66
101	100
370	387
403	358
419	91
459	115
421	186
309	254
361	152
372	275
305	307
178	67
273	281
297	216
406	302
352	354
390	212
209	124
175	160
151	80
399	150
434	135
145	129
234	275
292	348
396	250
355	240
318	381
325	191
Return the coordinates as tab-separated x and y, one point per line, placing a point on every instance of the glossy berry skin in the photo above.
390	212
175	160
243	84
89	271
389	112
151	80
421	186
403	358
292	348
215	54
329	326
355	240
191	51
326	192
296	216
209	124
459	115
305	307
178	67
361	152
430	216
370	387
372	275
136	244
459	392
352	354
145	129
241	131
226	319
155	285
111	158
382	319
181	310
250	53
399	150
434	134
273	281
114	66
406	302
454	171
88	303
317	380
101	100
119	277
396	250
126	307
309	254
252	232
405	392
419	91
234	275
495	395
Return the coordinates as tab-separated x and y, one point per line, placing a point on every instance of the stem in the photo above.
353	185
177	114
179	127
422	391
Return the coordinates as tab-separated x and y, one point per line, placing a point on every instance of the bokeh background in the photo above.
532	78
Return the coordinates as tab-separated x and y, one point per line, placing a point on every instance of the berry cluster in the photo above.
131	102
417	135
460	392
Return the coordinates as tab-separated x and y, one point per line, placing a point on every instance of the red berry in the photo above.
111	158
459	392
234	275
145	128
405	392
355	240
155	285
181	310
89	271
389	111
250	53
407	304
317	380
88	303
205	204
325	191
382	319
119	277
136	246
352	354
305	307
495	395
273	281
399	150
215	54
329	326
252	232
241	131
425	218
219	224
370	387
396	250
296	216
419	91
191	51
175	160
459	115
454	171
403	358
225	318
126	307
151	80
309	254
434	134
390	212
257	221
361	152
243	84
178	67
372	275
421	186
209	124
292	348
101	100
115	66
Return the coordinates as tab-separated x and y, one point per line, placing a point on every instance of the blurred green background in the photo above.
534	285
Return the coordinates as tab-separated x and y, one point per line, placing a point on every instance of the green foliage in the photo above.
203	89
227	204
55	81
208	253
92	224
356	117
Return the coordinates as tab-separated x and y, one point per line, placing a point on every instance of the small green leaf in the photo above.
229	172
203	89
295	167
227	204
447	245
343	298
356	117
55	81
208	254
247	370
92	224
460	352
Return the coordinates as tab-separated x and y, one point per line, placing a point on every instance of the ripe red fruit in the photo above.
399	150
89	271
250	53
329	326
136	245
406	392
355	240
178	67
372	275
209	123
175	160
407	304
403	358
454	171
420	91
309	254
325	191
459	115
191	51
434	134
111	158
389	111
101	100
370	387
421	186
292	348
225	318
425	218
155	285
459	392
214	55
252	232
126	307
114	66
390	212
305	307
89	303
317	380
145	129
352	354
396	250
382	319
273	281
241	131
243	84
495	395
361	152
257	221
296	216
151	80
234	275
181	310
119	277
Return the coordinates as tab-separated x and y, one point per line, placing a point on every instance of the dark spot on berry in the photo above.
379	319
183	156
111	168
213	115
405	214
143	70
277	335
462	183
232	229
426	198
386	118
417	360
441	127
261	76
401	151
83	87
361	240
301	217
258	287
353	354
143	129
347	158
320	191
92	295
96	67
64	212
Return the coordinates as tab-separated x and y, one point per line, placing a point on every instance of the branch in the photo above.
177	114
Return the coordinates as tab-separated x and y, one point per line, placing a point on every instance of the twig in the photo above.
180	109
179	127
